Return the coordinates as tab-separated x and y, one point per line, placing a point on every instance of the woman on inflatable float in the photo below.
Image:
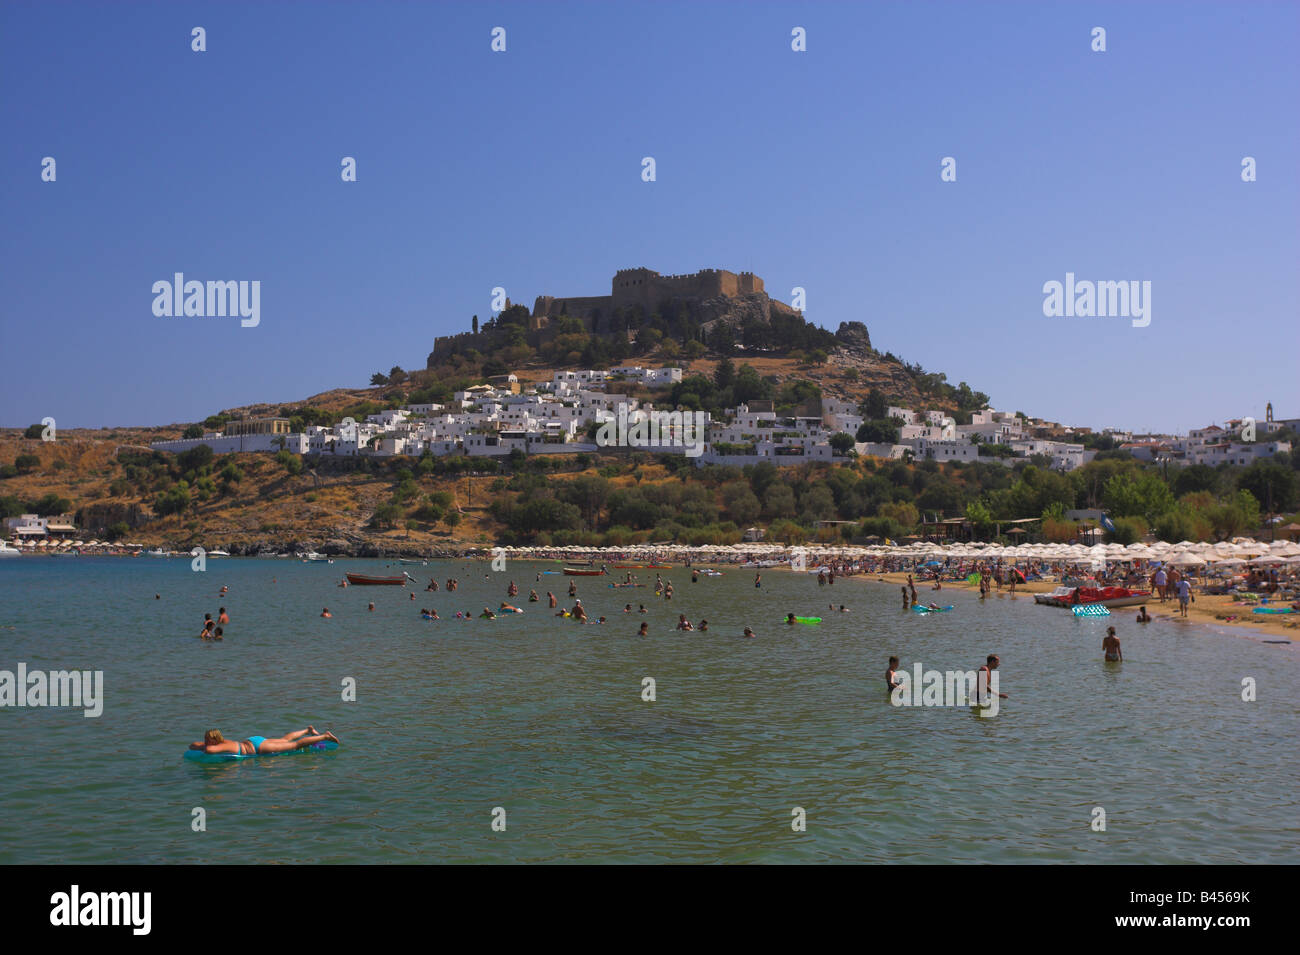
214	742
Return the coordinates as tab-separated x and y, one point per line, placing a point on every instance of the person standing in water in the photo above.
906	603
984	676
891	675
1110	647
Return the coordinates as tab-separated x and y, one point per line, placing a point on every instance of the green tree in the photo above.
841	443
724	375
879	431
1273	486
291	462
979	516
874	407
1146	496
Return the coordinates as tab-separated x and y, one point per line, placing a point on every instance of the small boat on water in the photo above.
582	572
156	552
366	580
7	551
1099	596
218	553
407	560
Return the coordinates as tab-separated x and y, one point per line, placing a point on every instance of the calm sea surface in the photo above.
544	718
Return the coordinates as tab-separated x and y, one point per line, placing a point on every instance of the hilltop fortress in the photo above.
647	291
707	297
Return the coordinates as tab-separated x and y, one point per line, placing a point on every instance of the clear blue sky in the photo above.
522	169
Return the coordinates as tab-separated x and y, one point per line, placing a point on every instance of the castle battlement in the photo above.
645	289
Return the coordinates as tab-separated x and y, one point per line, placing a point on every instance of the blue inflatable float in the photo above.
199	756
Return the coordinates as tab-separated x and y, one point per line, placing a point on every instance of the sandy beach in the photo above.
1205	609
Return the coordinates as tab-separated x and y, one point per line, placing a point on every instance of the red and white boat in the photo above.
1083	596
582	572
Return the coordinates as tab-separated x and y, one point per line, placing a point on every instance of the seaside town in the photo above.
557	417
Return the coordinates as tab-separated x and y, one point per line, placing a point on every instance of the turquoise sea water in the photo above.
544	718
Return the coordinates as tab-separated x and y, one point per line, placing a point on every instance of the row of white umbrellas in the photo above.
1240	551
61	544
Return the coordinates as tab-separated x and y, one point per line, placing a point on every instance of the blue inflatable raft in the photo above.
198	756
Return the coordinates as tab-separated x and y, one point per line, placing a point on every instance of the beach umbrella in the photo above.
1185	559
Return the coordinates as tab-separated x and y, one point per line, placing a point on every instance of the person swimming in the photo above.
532	597
627	609
218	634
645	630
1143	616
487	614
214	742
326	612
704	626
748	633
789	618
891	675
222	617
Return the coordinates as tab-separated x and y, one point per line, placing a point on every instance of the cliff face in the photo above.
854	351
734	310
854	338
